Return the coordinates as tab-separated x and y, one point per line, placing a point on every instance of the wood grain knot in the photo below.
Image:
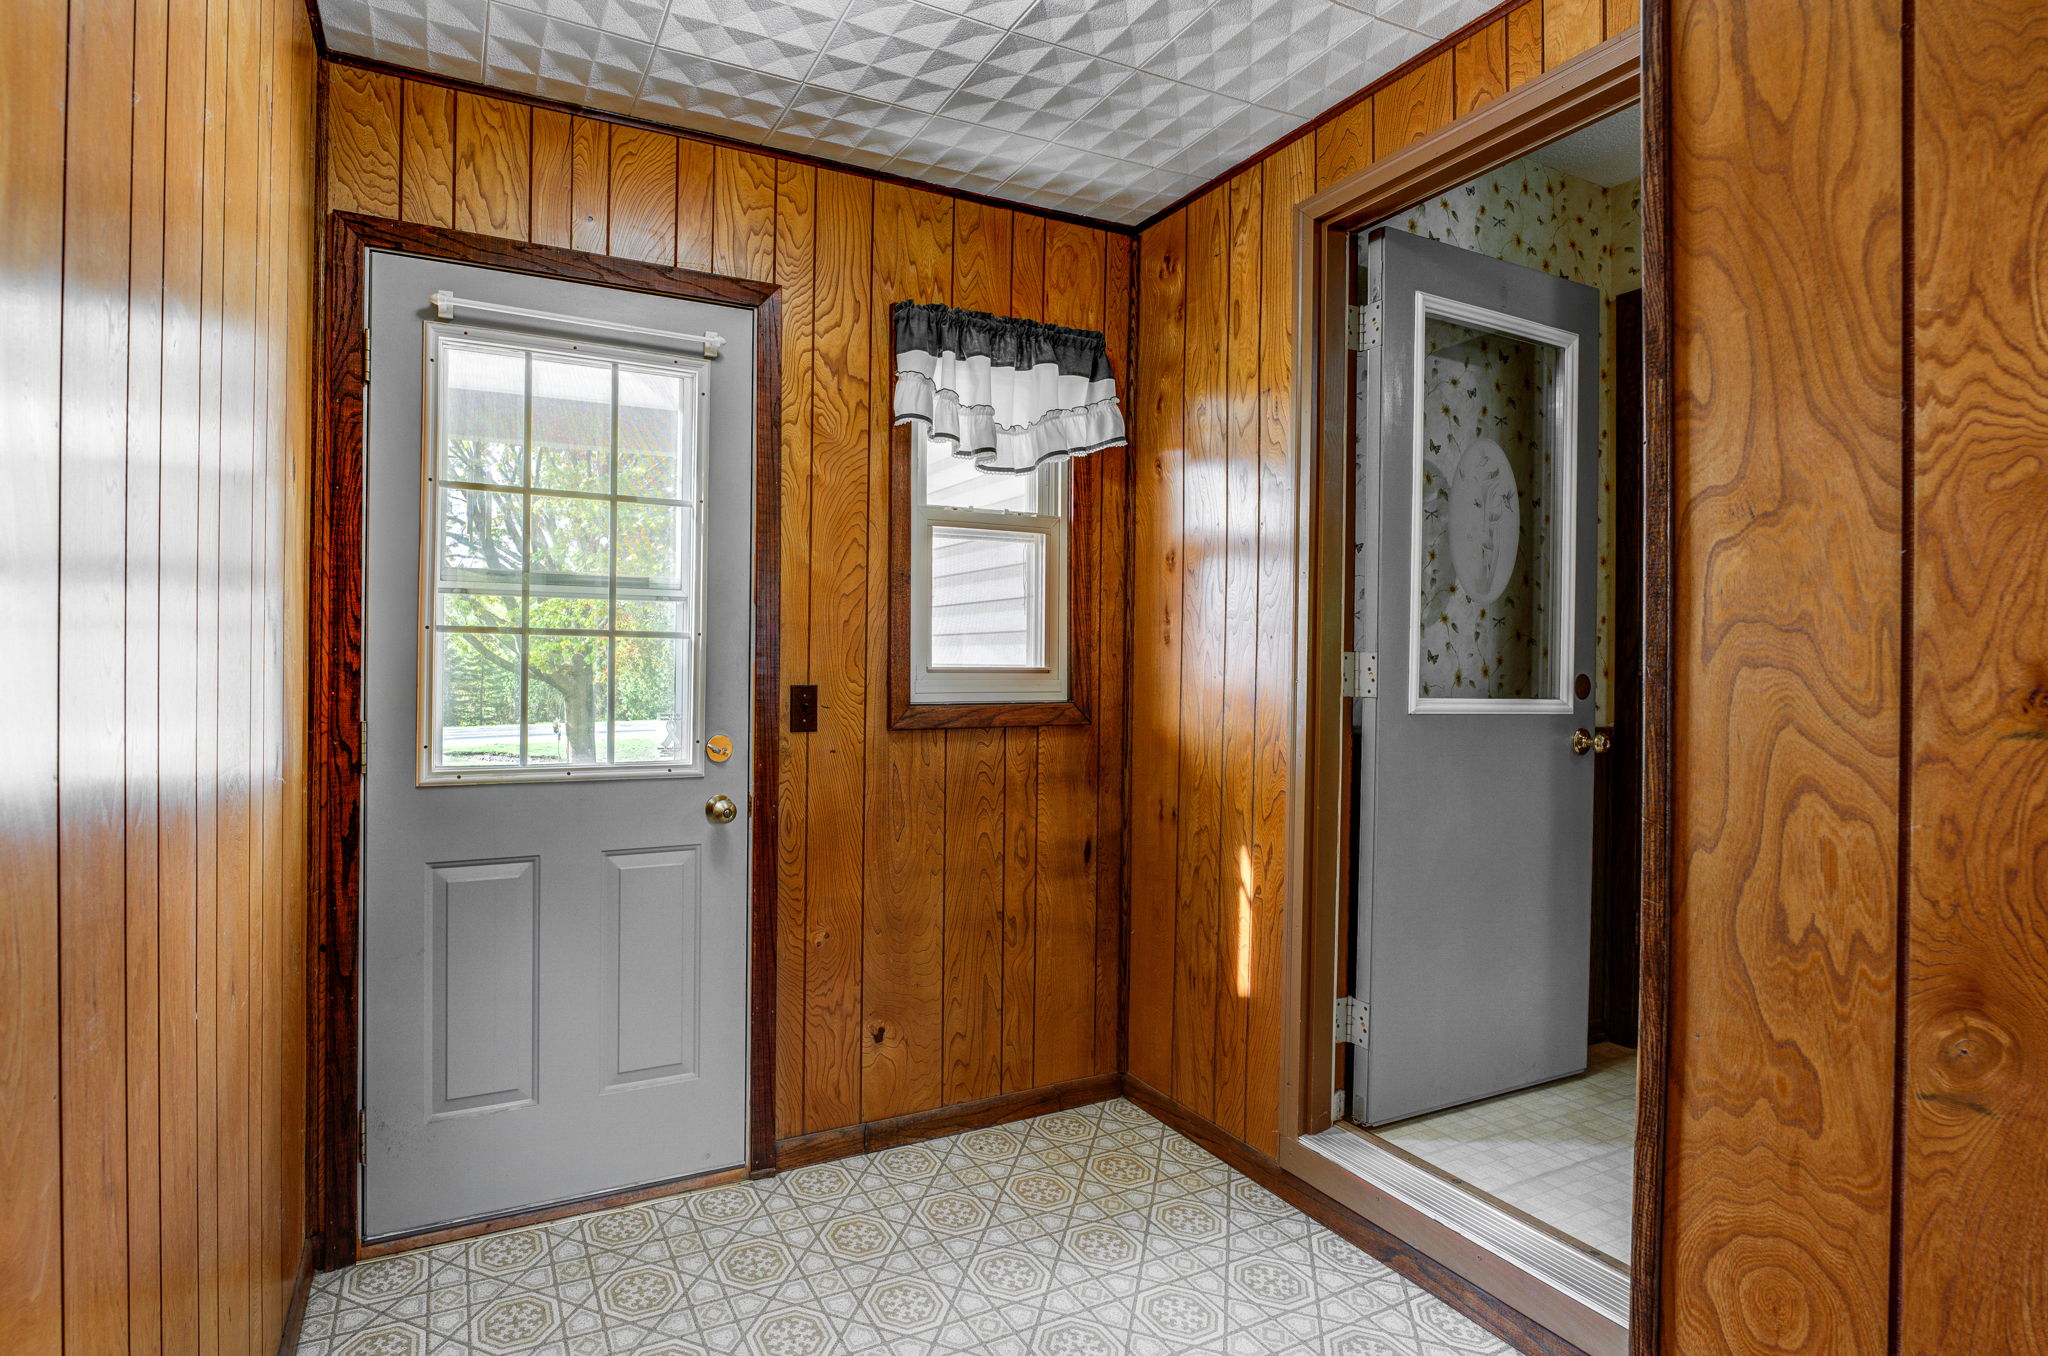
1970	1051
1775	1308
879	1032
2034	706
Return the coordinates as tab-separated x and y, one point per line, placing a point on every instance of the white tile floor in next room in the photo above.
1563	1153
1090	1231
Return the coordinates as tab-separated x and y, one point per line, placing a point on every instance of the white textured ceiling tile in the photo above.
1236	140
1065	170
562	60
1240	45
948	151
1438	18
902	52
639	20
1153	121
781	37
846	127
696	92
996	13
1030	86
1122	30
1342	70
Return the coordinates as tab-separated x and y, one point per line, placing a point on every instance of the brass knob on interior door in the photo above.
1585	741
721	810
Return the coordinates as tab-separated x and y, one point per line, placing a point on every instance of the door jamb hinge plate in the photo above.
1358	673
1362	326
1350	1023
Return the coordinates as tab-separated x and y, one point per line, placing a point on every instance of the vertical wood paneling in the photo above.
1525	43
1413	106
743	215
590	171
1623	15
156	189
1786	660
1197	925
1480	68
426	180
1974	1104
842	520
904	949
1289	177
1156	568
362	139
492	148
1569	28
977	818
1239	671
1020	769
641	206
554	178
696	185
1112	664
796	225
32	68
1344	144
1064	1029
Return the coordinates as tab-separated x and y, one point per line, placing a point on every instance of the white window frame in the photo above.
1562	424
1045	683
430	770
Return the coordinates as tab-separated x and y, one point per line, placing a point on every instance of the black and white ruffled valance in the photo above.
1012	394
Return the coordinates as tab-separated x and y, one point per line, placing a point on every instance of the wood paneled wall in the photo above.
1213	549
157	201
951	901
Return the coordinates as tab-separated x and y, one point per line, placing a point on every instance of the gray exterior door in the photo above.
1475	559
557	672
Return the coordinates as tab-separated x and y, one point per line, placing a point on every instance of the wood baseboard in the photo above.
295	1311
825	1145
1481	1306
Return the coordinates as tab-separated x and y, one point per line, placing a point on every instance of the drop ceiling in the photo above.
1103	108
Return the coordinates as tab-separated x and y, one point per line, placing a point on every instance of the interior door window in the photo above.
562	596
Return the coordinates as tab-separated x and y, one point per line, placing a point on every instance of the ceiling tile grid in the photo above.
1108	109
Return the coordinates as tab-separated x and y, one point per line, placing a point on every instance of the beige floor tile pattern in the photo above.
1090	1232
1564	1152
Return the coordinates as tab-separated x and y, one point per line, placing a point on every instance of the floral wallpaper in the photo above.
1526	213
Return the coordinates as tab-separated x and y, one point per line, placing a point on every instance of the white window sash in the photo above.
1047	682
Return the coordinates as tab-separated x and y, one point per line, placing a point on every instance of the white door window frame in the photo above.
688	761
1046	682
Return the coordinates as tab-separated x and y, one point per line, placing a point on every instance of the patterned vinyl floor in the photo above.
1564	1152
1082	1233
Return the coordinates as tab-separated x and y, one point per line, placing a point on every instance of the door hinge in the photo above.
366	355
362	747
1362	326
1358	673
362	1137
1350	1024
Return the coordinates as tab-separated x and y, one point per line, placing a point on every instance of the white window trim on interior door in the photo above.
1564	406
430	770
1047	682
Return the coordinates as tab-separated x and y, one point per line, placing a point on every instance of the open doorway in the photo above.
1492	924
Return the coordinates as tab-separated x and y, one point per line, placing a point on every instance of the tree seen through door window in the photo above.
565	522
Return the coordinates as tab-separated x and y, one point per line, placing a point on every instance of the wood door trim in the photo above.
1628	69
334	695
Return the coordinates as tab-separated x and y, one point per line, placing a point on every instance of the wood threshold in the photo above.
825	1145
542	1214
1624	70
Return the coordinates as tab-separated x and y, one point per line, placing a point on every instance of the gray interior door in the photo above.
1475	558
557	643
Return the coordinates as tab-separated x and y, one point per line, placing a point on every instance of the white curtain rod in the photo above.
445	303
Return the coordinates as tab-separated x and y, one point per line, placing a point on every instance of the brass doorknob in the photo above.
721	810
1585	741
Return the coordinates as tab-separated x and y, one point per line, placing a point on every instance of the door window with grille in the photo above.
562	610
